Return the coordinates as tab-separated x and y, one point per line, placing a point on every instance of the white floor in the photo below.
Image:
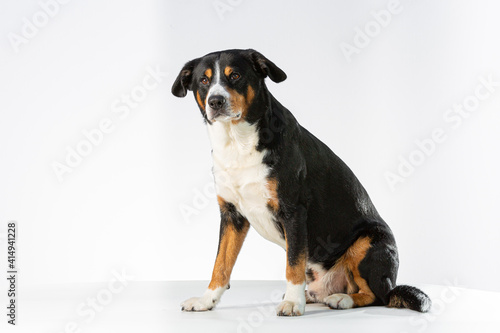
247	307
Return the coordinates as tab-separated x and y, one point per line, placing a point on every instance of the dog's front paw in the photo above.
289	308
198	304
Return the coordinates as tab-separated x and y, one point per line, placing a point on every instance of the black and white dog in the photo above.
272	174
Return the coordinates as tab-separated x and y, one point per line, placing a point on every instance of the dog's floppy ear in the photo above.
266	67
183	81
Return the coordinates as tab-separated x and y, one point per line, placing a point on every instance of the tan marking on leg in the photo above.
229	247
228	70
272	187
296	274
351	260
352	287
208	73
361	299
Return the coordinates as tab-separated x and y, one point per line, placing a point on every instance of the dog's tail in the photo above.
410	298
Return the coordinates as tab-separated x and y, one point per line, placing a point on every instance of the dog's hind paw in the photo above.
339	301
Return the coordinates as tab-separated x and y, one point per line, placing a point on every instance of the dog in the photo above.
274	175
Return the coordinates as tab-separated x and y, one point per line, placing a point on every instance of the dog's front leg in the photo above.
233	230
294	302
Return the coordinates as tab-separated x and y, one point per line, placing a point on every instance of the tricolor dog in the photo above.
274	175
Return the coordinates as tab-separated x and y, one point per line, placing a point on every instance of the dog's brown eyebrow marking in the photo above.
208	73
228	70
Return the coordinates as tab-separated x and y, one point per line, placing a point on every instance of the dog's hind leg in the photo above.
372	264
380	267
359	292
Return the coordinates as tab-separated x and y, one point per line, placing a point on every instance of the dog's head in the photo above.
226	84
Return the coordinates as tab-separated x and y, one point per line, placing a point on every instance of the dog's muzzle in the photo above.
217	102
219	109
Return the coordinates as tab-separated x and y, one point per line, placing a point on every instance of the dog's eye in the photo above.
204	80
234	76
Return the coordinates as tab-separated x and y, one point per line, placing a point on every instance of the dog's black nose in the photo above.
216	102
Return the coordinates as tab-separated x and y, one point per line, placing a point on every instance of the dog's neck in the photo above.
241	137
263	131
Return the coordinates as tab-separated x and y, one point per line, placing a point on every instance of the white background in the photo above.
121	207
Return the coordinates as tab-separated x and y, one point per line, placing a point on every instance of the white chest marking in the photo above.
241	176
